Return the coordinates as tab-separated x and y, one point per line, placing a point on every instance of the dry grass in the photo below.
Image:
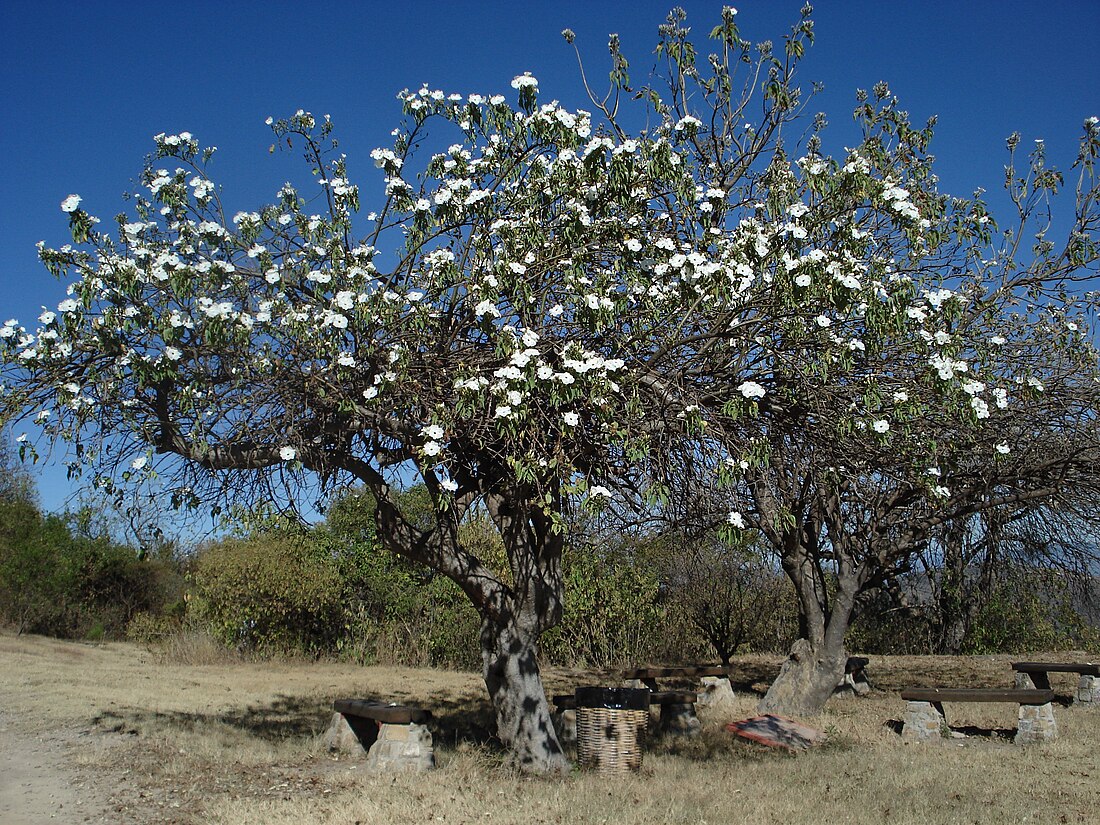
235	742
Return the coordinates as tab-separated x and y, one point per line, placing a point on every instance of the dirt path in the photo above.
37	783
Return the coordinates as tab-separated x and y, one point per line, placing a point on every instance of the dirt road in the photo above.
38	784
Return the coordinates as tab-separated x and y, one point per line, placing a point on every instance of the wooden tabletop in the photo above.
666	672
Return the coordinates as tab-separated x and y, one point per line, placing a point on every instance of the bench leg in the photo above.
1032	681
924	722
679	719
715	691
401	748
565	725
1088	691
1036	724
351	735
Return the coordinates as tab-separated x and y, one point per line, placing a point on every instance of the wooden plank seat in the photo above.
925	719
690	671
1037	675
381	712
1088	668
1020	697
394	736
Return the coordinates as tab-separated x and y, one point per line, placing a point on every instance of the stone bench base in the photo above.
389	748
925	721
1088	691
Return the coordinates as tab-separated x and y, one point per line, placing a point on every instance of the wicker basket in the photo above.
611	725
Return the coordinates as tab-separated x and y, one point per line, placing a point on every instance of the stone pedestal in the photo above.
565	725
341	737
1088	691
715	692
924	722
1036	724
1032	681
679	719
401	748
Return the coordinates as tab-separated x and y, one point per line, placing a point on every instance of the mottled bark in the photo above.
511	671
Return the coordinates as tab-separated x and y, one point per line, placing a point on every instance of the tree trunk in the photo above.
815	664
511	671
806	680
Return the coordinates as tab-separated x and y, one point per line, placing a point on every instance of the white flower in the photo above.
287	453
1003	448
503	411
486	307
448	484
901	397
138	462
432	448
70	203
172	354
68	305
941	491
524	79
823	321
600	490
736	519
881	425
571	418
750	389
803	280
433	431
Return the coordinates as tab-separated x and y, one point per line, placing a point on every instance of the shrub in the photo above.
272	592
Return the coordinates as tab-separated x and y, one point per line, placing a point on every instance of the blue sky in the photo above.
87	84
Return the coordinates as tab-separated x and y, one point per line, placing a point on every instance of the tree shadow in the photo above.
966	731
455	718
746	676
282	719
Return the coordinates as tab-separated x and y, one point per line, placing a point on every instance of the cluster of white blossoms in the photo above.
530	245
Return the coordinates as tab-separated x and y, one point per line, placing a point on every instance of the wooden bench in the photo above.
1037	675
925	720
714	684
395	736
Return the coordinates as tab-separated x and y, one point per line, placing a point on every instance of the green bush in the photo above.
272	592
58	583
613	613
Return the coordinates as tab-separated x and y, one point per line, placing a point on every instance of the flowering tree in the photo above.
958	378
573	313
